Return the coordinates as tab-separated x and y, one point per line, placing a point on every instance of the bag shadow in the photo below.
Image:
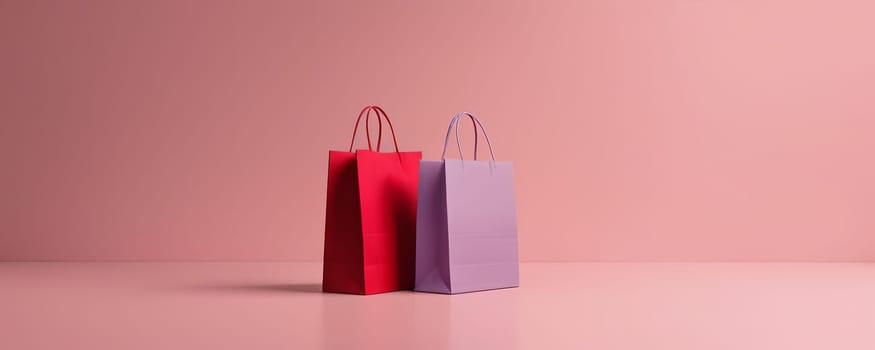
259	288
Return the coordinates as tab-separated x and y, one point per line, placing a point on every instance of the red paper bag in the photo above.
370	216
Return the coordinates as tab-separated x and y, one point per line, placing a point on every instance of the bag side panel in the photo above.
432	255
343	260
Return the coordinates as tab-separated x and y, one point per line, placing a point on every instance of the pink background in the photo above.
640	130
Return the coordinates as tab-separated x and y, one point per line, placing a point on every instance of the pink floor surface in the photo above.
559	306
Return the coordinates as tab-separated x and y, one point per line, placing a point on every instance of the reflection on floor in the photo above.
559	306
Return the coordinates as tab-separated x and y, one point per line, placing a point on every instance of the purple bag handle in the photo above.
455	123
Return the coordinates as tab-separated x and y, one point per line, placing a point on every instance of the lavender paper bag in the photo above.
466	232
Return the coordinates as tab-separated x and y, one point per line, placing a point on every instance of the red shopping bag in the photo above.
370	216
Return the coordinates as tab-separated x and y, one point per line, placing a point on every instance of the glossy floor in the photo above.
559	306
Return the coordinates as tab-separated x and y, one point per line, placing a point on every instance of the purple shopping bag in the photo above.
466	232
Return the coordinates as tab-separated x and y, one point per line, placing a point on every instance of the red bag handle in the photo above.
380	115
367	130
391	128
379	128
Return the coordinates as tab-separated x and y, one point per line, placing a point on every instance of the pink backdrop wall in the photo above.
641	130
